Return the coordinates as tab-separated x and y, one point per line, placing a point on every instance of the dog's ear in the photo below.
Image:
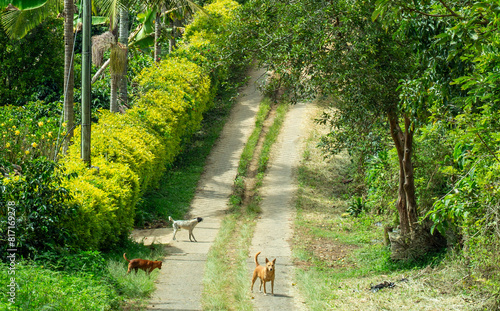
267	260
274	261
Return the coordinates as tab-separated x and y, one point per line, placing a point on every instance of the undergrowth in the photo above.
340	256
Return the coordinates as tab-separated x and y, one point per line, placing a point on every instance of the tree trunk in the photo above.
123	39
100	71
406	204
157	37
113	105
69	78
171	41
409	185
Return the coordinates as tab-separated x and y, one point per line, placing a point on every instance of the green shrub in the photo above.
30	131
130	152
357	206
32	68
106	198
44	211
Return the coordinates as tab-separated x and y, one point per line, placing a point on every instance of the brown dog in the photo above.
143	264
265	273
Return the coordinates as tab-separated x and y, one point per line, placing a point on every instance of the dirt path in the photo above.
274	230
179	285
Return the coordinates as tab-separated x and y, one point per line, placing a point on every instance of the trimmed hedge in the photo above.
131	152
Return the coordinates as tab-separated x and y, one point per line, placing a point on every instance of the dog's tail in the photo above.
256	262
170	218
125	257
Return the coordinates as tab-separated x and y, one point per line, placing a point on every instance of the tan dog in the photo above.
143	264
265	273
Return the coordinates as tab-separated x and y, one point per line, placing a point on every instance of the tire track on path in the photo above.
274	229
180	284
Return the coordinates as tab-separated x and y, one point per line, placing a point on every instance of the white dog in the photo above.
185	224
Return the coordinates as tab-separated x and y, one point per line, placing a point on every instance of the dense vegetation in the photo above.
68	217
412	94
412	88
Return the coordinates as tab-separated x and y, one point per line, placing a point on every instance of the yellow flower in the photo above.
27	152
64	124
7	145
3	124
13	127
40	123
34	145
17	132
49	134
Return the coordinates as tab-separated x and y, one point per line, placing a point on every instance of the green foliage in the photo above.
205	41
88	262
356	207
211	23
381	179
32	68
132	151
458	48
39	288
177	187
44	212
30	131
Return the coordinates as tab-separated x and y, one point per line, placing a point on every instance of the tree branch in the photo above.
449	9
100	71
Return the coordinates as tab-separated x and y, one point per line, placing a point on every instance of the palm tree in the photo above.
123	34
69	77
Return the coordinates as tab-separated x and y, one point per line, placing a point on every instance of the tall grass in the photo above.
39	288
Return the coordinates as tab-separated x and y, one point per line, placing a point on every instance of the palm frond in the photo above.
17	23
110	9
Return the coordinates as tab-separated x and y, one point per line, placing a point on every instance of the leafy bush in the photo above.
356	207
30	131
205	43
32	68
131	151
44	211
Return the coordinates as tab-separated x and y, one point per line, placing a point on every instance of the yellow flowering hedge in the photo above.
130	152
204	38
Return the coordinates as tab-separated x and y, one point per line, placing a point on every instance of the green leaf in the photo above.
23	4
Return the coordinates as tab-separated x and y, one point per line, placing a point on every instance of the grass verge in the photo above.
178	186
83	281
340	258
228	255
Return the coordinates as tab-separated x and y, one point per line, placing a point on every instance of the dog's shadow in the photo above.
275	295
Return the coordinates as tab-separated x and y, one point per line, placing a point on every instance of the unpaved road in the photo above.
274	230
179	285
